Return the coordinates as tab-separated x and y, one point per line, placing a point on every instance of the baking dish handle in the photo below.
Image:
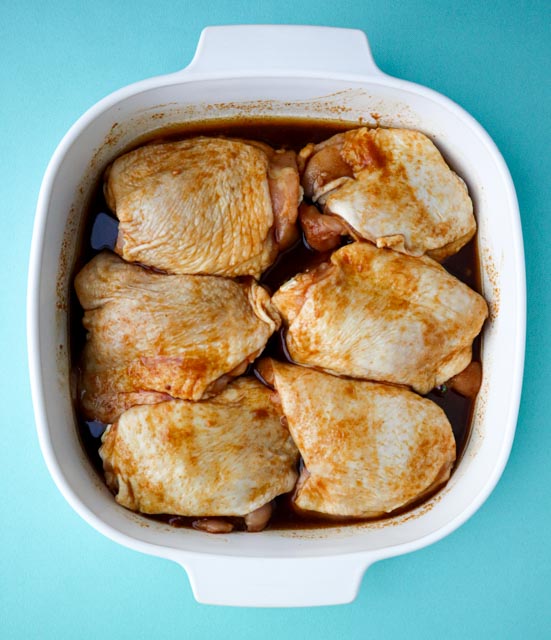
275	582
286	49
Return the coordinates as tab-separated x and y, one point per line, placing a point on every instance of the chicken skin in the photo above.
154	336
391	187
380	315
368	448
225	456
204	205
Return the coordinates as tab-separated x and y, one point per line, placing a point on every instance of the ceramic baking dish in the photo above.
277	71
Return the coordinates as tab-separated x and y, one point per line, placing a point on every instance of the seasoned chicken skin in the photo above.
204	205
391	187
226	456
152	336
368	448
381	315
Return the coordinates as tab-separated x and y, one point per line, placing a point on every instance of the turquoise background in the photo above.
61	579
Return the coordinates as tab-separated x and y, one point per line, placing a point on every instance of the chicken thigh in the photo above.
152	336
204	205
391	187
368	448
226	456
381	315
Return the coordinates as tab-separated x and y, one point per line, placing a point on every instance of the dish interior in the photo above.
114	127
99	233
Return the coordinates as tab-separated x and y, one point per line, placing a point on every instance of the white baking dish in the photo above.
276	71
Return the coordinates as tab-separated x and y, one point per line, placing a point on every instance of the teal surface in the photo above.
59	578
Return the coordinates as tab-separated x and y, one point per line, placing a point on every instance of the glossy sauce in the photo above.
101	231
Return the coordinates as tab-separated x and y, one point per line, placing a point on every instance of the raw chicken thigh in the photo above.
152	336
204	205
381	315
368	448
226	456
391	187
